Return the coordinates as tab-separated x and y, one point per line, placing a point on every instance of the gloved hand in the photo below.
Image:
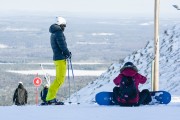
69	55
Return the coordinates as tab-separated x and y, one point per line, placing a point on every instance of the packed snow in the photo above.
90	112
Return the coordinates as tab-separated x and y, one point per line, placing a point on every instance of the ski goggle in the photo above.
63	25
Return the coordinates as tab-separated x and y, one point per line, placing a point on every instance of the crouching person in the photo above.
126	92
44	92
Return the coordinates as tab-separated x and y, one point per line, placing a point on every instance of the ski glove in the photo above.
68	56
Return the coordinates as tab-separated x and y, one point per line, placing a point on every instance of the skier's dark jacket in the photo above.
20	95
58	43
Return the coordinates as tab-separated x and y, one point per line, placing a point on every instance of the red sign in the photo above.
37	81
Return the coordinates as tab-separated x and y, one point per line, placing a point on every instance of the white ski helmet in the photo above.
46	85
20	82
60	21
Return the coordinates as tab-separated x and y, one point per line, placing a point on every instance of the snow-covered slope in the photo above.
169	67
89	112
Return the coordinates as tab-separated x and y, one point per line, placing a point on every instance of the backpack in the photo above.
127	89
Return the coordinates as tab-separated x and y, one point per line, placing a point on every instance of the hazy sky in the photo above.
94	6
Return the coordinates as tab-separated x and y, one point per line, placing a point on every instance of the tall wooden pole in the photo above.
156	46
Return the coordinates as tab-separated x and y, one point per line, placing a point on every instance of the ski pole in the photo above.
74	81
69	82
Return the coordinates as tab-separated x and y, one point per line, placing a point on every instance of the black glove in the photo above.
68	56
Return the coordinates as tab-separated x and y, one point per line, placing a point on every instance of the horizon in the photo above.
137	8
112	15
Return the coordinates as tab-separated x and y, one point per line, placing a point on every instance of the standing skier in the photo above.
60	54
20	95
126	92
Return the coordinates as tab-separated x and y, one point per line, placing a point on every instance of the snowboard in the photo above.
158	97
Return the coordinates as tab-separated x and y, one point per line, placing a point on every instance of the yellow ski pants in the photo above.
59	80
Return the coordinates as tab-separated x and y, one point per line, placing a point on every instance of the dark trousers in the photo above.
116	95
144	98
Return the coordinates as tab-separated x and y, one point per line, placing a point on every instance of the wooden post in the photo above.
156	46
152	75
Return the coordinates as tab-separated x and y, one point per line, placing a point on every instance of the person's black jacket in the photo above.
58	43
20	95
44	94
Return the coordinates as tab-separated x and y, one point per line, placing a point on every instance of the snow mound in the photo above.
169	67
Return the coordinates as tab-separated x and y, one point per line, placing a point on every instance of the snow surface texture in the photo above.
90	112
169	68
